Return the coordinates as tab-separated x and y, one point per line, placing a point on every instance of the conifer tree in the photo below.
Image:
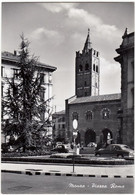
22	102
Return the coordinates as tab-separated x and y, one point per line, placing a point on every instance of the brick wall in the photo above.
97	123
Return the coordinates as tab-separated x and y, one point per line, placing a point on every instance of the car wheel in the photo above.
120	156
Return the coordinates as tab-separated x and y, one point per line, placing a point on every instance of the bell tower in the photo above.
87	70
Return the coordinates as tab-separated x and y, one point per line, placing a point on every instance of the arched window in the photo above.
89	115
80	68
87	66
106	113
74	115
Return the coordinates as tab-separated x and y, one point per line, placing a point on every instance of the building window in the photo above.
2	87
50	78
63	126
59	120
85	83
87	66
42	78
42	94
75	116
16	73
2	71
132	69
105	113
97	54
94	67
15	90
89	115
86	93
80	68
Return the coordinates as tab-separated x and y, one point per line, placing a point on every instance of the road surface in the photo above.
41	184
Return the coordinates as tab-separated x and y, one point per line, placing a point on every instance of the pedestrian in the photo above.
72	146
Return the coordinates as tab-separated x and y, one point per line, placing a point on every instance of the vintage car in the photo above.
60	149
116	150
92	144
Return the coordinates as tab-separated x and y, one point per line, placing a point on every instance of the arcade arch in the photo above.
90	136
107	136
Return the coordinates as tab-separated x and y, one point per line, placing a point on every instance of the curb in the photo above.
64	174
70	161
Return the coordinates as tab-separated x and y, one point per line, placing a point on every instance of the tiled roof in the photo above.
14	58
98	98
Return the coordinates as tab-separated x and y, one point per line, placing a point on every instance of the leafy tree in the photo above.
22	102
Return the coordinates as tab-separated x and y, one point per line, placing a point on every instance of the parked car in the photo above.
116	150
67	146
5	147
60	149
92	144
58	143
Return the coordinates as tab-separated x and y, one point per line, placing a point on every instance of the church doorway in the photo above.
107	136
90	136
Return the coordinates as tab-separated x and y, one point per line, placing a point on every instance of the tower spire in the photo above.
125	33
87	44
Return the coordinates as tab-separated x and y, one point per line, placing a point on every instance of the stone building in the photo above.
126	114
99	116
10	68
87	71
58	119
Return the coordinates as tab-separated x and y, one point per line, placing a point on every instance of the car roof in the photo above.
120	145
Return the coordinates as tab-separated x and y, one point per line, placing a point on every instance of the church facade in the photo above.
98	116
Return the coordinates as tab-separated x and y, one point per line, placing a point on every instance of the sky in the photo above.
57	30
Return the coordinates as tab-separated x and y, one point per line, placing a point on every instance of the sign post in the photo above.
75	125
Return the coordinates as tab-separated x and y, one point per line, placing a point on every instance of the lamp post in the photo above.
75	125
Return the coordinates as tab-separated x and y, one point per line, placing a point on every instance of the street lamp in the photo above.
75	125
75	133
